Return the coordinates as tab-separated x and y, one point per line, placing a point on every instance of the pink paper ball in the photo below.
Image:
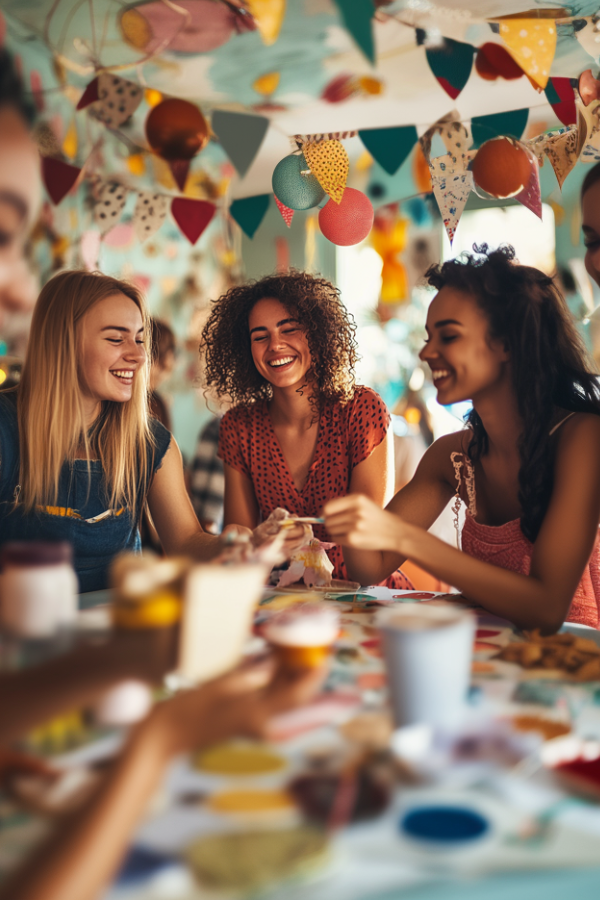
348	222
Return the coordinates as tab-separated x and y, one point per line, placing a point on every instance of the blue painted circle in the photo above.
293	189
444	824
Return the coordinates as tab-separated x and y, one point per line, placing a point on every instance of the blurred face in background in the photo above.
590	205
19	204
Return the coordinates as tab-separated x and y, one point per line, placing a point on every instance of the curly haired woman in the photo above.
300	432
526	467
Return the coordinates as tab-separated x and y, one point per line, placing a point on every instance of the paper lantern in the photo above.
292	188
349	221
502	167
176	129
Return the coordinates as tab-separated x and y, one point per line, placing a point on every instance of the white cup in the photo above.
428	651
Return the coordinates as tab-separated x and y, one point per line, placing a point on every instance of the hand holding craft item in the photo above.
310	564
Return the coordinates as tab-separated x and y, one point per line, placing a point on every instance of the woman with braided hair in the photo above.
526	465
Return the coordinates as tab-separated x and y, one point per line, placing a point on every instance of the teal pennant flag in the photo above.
451	64
240	136
511	124
389	146
357	17
249	212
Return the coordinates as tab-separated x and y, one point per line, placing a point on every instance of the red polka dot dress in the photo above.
347	436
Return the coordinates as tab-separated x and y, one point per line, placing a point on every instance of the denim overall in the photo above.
81	490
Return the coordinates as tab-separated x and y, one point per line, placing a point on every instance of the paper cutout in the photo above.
453	133
511	123
59	177
531	195
493	61
269	16
330	165
90	95
117	100
561	97
591	149
452	185
286	212
179	169
357	17
587	119
589	36
532	43
192	216
240	135
389	146
562	151
451	64
149	214
110	201
250	212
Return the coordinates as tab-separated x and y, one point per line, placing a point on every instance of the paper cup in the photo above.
303	635
428	652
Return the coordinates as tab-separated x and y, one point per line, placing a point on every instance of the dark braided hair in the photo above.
11	88
549	364
315	303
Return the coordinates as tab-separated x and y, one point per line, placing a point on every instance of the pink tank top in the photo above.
507	547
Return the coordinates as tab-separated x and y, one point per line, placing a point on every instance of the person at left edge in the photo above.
79	453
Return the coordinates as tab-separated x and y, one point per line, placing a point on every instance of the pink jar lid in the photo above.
36	553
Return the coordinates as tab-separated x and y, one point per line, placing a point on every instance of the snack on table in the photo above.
303	634
578	657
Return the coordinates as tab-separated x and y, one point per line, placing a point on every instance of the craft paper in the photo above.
268	16
192	216
589	36
59	177
240	135
117	100
451	64
561	97
510	124
149	214
286	212
389	146
330	165
532	43
357	17
531	195
452	184
109	205
250	212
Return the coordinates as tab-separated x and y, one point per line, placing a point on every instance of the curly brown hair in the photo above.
315	303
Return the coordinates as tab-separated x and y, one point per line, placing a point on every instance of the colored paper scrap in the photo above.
149	213
109	204
561	97
117	100
240	135
192	216
510	124
532	43
357	17
389	146
451	63
531	195
269	16
59	177
286	212
452	184
330	165
250	212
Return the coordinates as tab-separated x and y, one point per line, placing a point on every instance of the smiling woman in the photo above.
79	453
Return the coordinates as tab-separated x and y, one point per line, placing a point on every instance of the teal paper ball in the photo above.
293	189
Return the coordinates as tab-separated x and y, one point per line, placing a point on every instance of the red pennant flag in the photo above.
286	212
59	177
192	216
179	169
90	95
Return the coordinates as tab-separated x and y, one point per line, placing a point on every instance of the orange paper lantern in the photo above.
502	167
176	129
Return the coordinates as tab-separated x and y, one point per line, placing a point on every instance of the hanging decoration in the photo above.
294	185
287	214
357	16
388	239
563	152
561	97
268	16
192	216
531	195
111	99
58	177
510	124
329	162
149	214
389	146
589	36
176	131
420	171
240	135
501	167
493	61
452	185
532	44
188	26
349	221
250	212
451	63
110	200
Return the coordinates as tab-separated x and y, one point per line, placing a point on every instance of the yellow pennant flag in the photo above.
70	142
330	165
268	15
532	44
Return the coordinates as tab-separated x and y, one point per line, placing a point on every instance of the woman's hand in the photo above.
355	521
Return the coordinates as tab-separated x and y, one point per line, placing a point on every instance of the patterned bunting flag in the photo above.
110	201
286	212
330	164
117	100
452	186
532	43
149	214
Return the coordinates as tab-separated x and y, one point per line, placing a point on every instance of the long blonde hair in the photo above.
52	426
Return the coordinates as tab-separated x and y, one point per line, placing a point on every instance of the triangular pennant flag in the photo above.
109	205
510	124
192	216
330	165
389	146
452	185
286	212
59	177
268	15
451	64
561	97
562	151
591	149
240	135
117	100
149	214
357	17
90	95
180	169
531	195
452	131
532	43
250	212
588	36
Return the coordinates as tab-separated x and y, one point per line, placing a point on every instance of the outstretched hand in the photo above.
355	521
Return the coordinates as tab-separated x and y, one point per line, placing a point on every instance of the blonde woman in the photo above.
79	454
